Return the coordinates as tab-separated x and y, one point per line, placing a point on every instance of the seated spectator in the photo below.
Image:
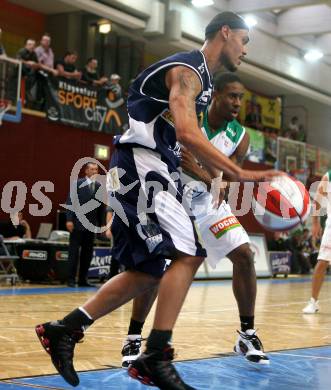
90	74
12	232
66	67
308	247
279	242
300	263
2	49
45	55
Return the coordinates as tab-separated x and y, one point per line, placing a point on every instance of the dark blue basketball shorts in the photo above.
151	224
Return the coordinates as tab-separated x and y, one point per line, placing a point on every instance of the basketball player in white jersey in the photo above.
220	230
323	195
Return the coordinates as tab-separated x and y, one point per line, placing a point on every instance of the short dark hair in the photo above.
90	59
69	53
231	19
222	79
89	164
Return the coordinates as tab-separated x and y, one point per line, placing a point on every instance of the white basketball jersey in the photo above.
226	139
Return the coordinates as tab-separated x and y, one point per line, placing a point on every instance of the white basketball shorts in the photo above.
220	230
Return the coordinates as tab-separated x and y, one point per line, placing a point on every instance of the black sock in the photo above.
246	322
135	327
77	320
158	340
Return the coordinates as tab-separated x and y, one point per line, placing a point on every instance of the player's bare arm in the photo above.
239	155
190	166
321	194
184	85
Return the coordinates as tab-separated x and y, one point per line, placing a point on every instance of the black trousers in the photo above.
80	239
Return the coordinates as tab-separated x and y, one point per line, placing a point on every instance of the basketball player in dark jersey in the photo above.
152	222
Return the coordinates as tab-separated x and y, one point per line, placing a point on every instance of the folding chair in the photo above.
7	264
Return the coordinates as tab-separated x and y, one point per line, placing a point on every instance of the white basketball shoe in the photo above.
312	307
131	349
250	346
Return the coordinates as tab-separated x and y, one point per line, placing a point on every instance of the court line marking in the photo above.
301	356
256	307
30	385
19	353
25	290
218	356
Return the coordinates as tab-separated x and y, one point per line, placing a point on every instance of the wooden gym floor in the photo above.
206	328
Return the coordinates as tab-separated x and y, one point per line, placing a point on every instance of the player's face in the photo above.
228	101
91	170
234	49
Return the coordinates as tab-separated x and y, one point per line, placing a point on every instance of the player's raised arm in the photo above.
184	86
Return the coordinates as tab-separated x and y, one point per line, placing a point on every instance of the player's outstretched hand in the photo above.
268	175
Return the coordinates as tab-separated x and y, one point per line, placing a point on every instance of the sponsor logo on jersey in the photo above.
176	150
231	131
205	97
202	68
224	225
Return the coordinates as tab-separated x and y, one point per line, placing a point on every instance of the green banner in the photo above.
256	148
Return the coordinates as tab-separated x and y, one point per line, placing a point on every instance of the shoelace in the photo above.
134	344
254	339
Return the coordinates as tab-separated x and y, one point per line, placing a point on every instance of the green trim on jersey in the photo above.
232	128
329	175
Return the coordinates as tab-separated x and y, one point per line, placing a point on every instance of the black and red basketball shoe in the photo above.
156	369
59	342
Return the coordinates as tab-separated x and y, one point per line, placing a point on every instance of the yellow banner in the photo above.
259	111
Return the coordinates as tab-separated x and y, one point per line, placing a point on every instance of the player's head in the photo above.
91	169
227	95
232	31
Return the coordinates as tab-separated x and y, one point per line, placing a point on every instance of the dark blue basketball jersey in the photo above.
150	121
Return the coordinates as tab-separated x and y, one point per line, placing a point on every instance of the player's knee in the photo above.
322	266
245	259
190	261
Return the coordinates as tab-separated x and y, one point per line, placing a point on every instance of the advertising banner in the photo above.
280	262
86	106
100	264
261	111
